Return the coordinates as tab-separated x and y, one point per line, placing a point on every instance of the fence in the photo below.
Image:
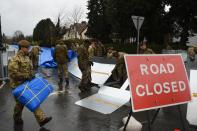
4	57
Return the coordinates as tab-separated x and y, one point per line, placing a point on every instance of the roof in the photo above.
192	40
80	27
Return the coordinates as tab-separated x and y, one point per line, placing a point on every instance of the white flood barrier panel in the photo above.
125	85
133	124
107	100
192	106
100	72
73	68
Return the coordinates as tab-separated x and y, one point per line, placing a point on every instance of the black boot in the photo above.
67	85
18	121
82	89
46	120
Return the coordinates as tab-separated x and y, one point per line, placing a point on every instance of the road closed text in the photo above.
159	87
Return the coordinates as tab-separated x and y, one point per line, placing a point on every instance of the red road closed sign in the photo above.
157	81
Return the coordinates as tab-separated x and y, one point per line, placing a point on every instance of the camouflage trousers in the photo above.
62	71
38	113
86	78
119	73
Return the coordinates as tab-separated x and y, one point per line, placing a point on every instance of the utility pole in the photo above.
2	57
2	48
1	44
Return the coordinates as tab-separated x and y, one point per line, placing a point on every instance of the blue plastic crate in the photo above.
33	93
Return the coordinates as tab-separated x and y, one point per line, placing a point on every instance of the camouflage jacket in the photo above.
19	69
61	54
91	51
34	52
109	54
120	63
100	51
83	57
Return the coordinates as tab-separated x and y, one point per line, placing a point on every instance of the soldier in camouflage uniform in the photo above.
34	56
144	49
110	51
20	70
74	46
84	63
191	53
61	57
119	72
92	49
100	51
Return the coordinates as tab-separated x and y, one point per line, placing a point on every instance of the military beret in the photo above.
24	43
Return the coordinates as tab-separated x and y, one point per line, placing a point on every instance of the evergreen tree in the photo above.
113	18
44	33
98	24
58	29
183	13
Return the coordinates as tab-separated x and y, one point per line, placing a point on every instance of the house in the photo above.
192	40
76	30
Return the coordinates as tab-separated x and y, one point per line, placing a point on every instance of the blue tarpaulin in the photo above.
71	54
46	56
33	93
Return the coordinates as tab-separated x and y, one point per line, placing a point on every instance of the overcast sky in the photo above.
23	15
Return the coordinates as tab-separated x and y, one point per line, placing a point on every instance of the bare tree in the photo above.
75	16
60	18
18	35
60	26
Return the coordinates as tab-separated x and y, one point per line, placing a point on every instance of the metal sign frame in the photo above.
138	21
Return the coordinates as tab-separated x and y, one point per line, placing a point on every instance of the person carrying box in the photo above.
20	70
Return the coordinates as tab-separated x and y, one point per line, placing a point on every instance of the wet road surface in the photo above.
70	117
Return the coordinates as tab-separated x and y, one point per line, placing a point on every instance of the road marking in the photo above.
194	94
59	92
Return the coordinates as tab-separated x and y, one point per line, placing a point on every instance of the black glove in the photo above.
91	63
30	78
